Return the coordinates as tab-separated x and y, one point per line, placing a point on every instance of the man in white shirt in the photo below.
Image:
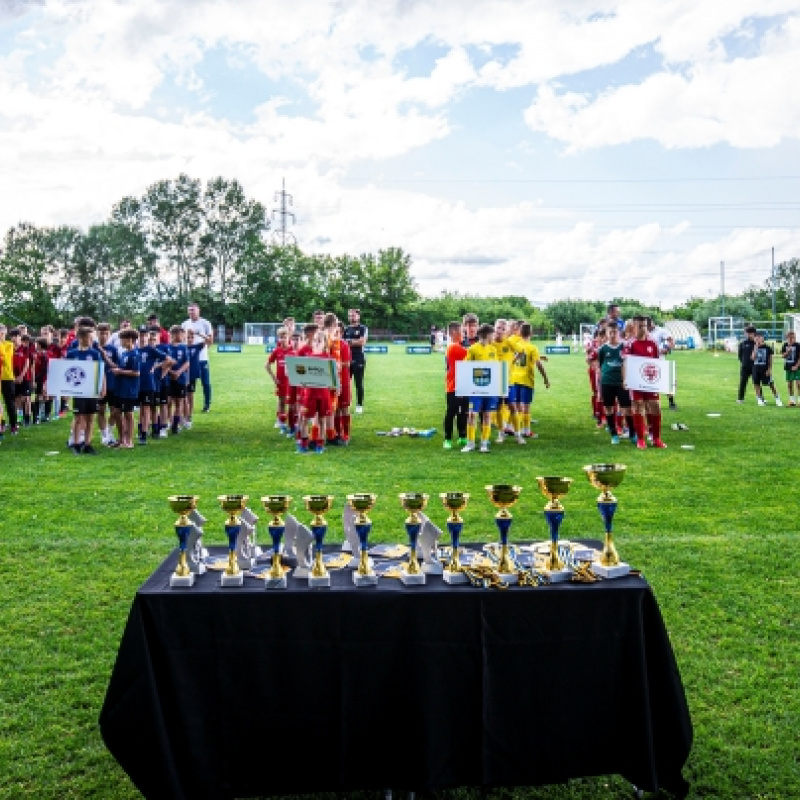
202	326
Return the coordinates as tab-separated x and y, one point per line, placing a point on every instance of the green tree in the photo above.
567	316
787	285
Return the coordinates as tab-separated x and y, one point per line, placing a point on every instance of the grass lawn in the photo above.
711	528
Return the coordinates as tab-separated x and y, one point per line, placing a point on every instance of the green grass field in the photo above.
712	529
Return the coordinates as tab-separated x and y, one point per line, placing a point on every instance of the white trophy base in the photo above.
197	569
275	583
432	568
364	580
231	580
319	582
412	580
301	572
356	560
618	571
558	575
246	563
181	581
454	577
509	578
583	554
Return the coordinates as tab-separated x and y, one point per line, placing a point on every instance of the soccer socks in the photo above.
655	426
471	429
640	425
486	432
611	423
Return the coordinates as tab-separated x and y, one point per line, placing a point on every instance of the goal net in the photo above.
261	332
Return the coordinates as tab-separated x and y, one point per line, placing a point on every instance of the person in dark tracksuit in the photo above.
355	334
746	349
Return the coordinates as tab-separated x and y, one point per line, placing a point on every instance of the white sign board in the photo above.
649	375
312	373
68	377
481	379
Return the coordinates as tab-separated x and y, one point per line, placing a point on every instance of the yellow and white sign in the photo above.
481	379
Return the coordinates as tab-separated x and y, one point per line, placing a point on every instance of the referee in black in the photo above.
355	334
746	349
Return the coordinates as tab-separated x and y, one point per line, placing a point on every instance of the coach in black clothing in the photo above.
355	335
746	349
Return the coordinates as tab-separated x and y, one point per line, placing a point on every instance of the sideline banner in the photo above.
649	375
67	377
312	373
481	379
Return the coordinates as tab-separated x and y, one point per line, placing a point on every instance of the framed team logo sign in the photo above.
481	379
71	378
650	375
312	373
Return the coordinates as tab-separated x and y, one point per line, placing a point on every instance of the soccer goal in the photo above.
261	332
791	322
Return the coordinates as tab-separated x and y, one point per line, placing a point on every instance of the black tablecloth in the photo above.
240	692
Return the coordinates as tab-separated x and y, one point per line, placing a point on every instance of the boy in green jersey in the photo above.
609	358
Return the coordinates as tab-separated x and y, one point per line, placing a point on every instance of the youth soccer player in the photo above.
178	377
456	408
646	406
790	351
279	378
22	377
153	360
481	408
525	364
126	384
85	408
762	370
7	384
316	403
609	357
469	325
108	401
592	347
40	359
342	414
506	351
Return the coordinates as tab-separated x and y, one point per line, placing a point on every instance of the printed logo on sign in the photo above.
75	377
651	373
301	370
481	376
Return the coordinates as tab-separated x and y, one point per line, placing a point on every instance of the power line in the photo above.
283	215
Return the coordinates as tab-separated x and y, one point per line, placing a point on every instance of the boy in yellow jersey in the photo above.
506	351
522	382
7	382
481	408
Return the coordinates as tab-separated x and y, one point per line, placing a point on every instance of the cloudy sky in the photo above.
552	149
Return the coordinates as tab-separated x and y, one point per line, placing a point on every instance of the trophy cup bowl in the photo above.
607	477
413	503
362	503
232	505
503	496
319	505
182	504
277	505
454	502
554	487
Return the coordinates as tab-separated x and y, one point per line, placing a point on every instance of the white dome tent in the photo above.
685	334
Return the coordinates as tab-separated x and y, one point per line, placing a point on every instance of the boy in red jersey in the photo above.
342	418
278	357
456	408
331	329
40	403
22	375
316	403
592	346
646	405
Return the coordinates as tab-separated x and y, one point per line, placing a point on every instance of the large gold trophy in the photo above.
607	477
232	505
182	504
319	505
277	505
504	496
362	504
554	488
413	503
454	502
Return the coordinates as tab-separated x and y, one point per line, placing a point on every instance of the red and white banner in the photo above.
650	375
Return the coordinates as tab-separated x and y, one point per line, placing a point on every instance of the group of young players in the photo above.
317	418
755	359
506	340
149	370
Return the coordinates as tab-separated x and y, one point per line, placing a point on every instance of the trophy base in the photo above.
319	581
347	547
364	580
197	569
618	571
412	580
583	554
356	560
246	563
432	568
454	578
509	578
557	575
232	580
301	572
275	583
181	581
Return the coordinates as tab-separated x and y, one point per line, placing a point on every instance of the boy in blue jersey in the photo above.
178	376
85	408
109	353
194	370
152	360
126	384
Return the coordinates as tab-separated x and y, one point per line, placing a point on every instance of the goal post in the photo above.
261	332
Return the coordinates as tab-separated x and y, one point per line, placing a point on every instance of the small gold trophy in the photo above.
606	477
277	505
232	505
413	503
318	505
454	502
503	496
182	504
362	504
554	488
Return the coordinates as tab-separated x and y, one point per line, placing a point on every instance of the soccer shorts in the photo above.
793	375
317	401
191	387
162	396
84	405
283	389
482	404
521	394
177	390
760	377
616	394
642	397
146	399
110	400
22	389
125	404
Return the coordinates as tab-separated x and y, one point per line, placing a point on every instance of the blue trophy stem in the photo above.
362	531
183	535
503	525
554	520
232	532
413	529
319	532
276	532
607	513
454	529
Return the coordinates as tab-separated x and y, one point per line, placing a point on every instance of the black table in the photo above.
240	692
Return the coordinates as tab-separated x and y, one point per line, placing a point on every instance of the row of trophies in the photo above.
503	496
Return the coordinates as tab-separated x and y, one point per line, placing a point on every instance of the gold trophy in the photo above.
362	504
554	488
413	503
606	477
318	505
503	496
277	505
454	502
182	504
232	505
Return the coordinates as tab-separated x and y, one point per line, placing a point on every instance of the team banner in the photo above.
650	375
312	373
67	377
481	379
